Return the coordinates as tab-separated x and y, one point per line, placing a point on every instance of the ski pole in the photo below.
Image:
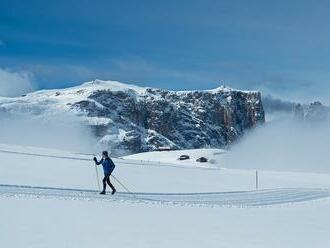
97	178
97	175
127	190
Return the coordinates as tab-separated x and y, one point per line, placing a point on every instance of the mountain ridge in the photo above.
127	118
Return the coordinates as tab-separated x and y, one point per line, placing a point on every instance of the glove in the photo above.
94	159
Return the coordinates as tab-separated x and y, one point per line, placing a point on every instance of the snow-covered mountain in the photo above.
130	119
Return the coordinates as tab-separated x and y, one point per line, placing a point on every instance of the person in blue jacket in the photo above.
108	167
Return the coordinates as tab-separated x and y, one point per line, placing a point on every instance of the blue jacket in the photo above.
108	165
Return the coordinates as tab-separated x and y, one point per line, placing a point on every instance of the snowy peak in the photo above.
112	85
87	88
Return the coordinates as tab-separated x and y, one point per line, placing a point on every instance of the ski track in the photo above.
266	197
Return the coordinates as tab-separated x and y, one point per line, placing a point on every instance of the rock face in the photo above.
129	119
314	112
154	118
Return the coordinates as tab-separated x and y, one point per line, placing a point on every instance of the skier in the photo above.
108	167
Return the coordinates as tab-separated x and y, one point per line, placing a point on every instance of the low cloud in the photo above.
284	146
15	83
272	104
57	131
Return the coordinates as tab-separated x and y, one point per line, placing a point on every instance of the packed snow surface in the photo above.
214	157
49	198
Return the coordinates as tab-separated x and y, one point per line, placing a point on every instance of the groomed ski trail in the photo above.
266	197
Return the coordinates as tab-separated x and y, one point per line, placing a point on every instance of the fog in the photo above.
284	145
58	131
15	83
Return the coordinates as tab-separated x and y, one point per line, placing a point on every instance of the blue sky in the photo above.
280	47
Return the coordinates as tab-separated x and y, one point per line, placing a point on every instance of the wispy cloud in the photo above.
15	83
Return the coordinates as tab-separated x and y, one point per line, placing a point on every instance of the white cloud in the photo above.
15	83
284	145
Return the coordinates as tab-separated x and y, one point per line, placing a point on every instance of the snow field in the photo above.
291	209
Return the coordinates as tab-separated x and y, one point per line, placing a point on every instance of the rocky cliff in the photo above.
143	120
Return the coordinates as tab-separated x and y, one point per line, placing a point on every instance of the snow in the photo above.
222	88
296	213
121	134
53	223
172	157
60	98
113	86
98	120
